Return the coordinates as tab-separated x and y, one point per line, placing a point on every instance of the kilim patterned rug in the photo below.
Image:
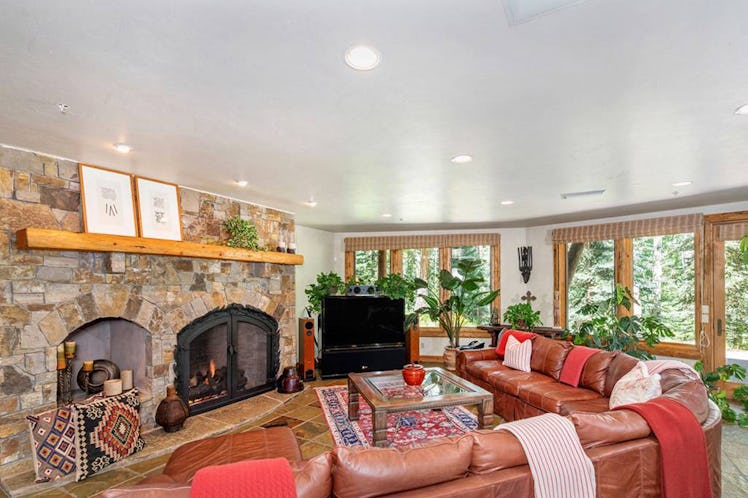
403	429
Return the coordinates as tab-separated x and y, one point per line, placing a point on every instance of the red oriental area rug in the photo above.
403	429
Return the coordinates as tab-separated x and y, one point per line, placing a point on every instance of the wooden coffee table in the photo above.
386	393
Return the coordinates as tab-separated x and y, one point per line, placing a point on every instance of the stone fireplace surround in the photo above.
47	295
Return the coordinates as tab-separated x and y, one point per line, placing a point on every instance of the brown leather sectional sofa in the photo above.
481	463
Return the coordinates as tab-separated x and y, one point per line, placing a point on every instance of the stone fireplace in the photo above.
101	299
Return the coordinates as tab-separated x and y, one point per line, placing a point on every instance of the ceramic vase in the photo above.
171	412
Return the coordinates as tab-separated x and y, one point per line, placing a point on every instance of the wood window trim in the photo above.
624	275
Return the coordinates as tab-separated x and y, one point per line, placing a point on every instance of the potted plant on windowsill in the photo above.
463	297
522	316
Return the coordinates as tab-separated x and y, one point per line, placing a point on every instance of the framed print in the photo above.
108	201
158	207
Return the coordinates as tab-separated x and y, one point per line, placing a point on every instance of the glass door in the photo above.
727	332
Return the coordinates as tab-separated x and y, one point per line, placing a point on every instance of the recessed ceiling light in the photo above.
507	203
684	183
122	148
586	193
742	110
386	215
242	183
63	108
311	202
362	58
462	159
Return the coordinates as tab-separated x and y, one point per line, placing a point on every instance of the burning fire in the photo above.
212	368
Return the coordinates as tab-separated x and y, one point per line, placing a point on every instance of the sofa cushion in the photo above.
509	381
551	397
597	429
313	477
517	334
548	356
597	405
483	368
620	366
361	473
517	354
495	450
596	370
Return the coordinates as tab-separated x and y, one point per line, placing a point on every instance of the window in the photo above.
590	275
481	316
423	264
371	265
367	266
664	282
736	303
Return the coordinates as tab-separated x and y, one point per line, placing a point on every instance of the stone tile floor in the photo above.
303	414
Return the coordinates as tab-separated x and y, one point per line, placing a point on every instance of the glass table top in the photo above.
434	384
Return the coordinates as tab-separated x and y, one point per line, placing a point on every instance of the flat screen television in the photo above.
362	321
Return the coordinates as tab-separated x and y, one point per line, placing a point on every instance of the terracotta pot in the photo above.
450	358
413	374
171	412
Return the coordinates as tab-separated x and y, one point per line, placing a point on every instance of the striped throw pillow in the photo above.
517	354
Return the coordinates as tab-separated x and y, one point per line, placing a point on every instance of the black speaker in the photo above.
340	362
362	290
306	348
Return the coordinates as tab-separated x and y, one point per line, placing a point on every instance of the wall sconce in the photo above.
525	261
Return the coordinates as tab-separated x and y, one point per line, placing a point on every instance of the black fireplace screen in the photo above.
229	354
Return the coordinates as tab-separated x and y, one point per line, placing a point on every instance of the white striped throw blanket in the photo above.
560	467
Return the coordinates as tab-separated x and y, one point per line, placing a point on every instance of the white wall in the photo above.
317	247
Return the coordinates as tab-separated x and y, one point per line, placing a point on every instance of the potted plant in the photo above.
327	284
463	297
243	234
395	286
522	316
604	329
714	382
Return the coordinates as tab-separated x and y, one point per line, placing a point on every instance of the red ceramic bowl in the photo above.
413	374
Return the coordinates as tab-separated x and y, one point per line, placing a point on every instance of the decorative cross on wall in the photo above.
528	297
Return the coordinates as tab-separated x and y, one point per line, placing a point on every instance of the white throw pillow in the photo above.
637	386
517	354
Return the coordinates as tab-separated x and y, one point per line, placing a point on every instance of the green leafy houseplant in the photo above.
395	286
326	284
719	396
243	234
464	297
521	315
603	329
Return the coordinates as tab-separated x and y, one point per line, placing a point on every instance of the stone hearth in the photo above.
47	295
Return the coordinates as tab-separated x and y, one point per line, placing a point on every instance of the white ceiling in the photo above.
606	94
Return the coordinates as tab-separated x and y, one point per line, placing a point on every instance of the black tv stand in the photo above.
340	362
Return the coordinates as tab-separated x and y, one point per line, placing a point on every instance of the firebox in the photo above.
227	355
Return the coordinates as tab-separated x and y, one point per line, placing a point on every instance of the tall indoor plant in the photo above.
463	296
604	328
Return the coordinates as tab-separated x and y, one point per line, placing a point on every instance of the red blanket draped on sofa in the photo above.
268	478
684	465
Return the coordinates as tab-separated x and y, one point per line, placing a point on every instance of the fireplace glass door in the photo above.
209	365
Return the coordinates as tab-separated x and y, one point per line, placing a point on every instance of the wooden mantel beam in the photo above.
60	240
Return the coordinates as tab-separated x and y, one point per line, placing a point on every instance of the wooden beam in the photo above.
496	277
60	240
381	263
350	265
624	269
559	285
396	261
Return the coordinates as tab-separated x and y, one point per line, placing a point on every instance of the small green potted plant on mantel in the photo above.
463	298
243	234
522	316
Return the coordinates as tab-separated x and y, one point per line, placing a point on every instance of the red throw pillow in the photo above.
518	334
